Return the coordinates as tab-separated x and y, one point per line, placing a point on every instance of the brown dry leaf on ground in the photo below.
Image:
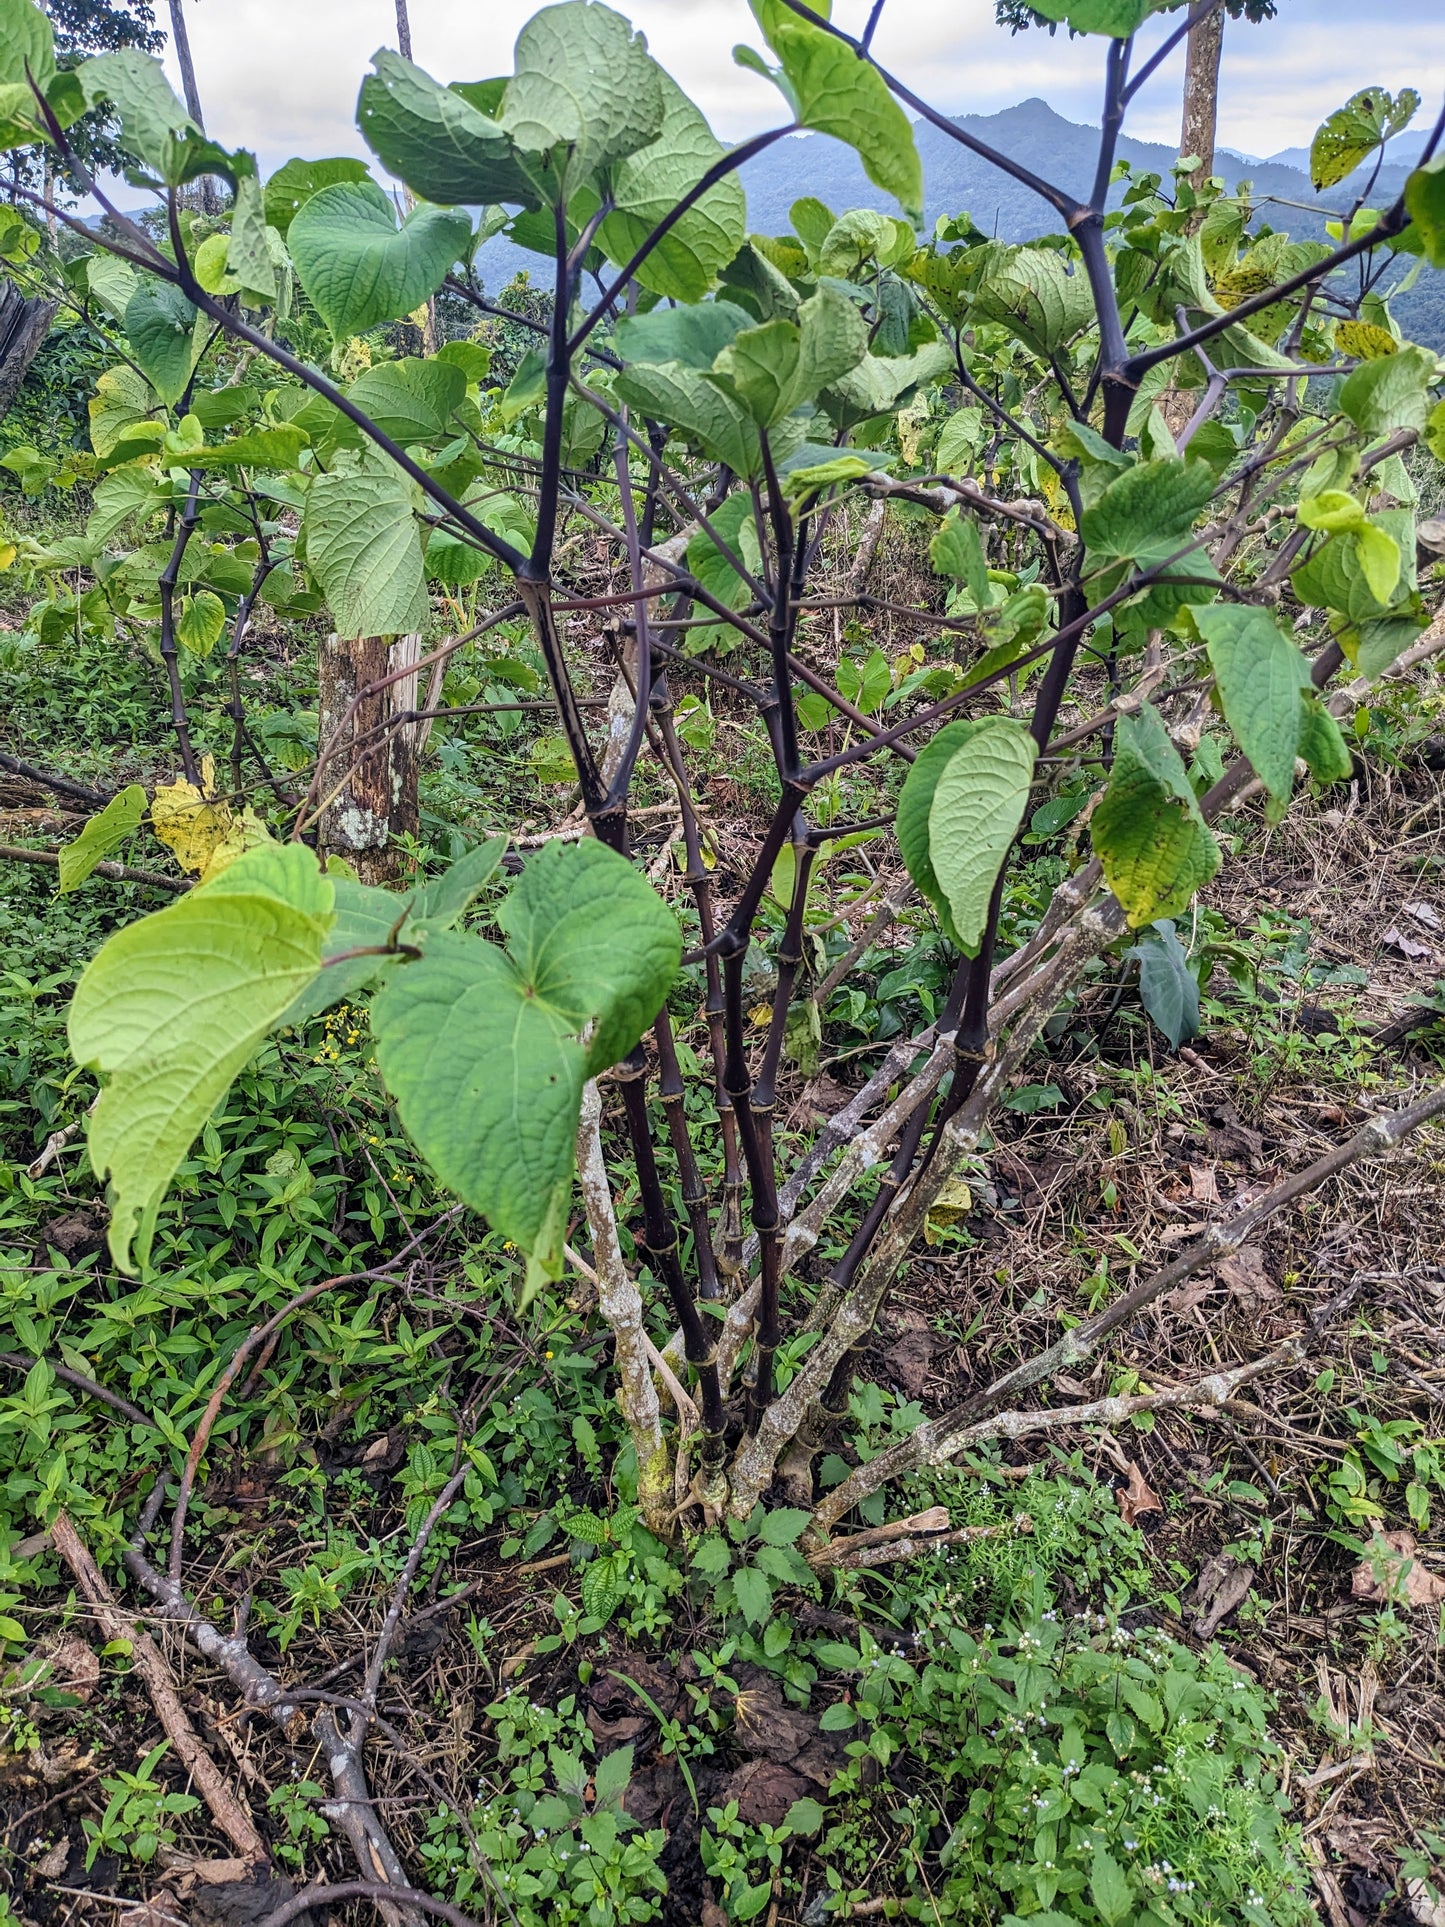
1396	1574
1223	1584
1244	1273
1203	1185
1136	1496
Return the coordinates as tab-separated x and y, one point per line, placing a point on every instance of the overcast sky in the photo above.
281	76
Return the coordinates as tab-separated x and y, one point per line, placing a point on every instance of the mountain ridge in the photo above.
1064	151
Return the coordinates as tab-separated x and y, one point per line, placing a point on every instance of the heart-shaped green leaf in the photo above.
585	95
482	1049
978	804
364	548
160	326
358	267
1260	674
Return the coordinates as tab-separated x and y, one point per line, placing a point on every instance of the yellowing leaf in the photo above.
203	830
243	832
188	824
173	1006
1364	340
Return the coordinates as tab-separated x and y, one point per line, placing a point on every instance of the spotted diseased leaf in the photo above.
1355	130
1147	831
1260	675
105	832
173	1006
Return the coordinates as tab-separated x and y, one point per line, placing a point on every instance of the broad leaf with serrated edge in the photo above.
1322	745
585	95
364	548
1146	514
1117	18
688	400
1031	292
957	550
978	804
1393	392
594	940
1168	988
1260	675
366	918
1147	831
434	138
649	184
692	336
734	523
411	400
915	801
754	1594
293	184
172	1007
160	326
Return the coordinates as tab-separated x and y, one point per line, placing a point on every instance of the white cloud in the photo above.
282	78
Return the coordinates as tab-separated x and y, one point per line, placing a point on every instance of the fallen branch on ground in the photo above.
150	1663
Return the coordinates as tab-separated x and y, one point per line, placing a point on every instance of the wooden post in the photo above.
369	783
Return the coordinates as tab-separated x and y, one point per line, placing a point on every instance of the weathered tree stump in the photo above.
24	324
368	785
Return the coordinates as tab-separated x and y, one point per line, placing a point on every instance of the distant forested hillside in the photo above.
956	180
